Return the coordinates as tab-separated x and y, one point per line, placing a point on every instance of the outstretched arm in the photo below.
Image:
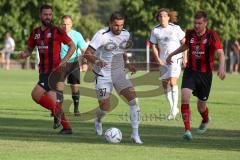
182	48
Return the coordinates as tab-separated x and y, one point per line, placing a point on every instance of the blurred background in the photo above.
19	17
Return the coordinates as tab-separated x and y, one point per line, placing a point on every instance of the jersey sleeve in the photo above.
153	38
180	33
81	42
31	41
96	41
63	37
216	42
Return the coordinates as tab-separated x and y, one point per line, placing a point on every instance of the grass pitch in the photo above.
26	128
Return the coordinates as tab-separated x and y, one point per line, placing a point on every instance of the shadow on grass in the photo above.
153	136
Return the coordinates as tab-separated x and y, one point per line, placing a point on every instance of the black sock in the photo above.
75	97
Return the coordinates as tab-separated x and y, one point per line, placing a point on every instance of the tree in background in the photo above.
21	16
224	15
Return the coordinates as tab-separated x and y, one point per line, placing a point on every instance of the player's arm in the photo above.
70	52
156	55
30	46
182	48
221	64
26	53
128	65
89	54
185	56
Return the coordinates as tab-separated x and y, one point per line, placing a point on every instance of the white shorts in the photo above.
173	70
104	87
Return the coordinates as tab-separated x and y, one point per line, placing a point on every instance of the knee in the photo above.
133	102
105	105
36	97
185	100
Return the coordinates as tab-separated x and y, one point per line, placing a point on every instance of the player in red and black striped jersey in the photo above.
48	38
197	77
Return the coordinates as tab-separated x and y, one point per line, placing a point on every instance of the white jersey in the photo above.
9	45
110	48
168	40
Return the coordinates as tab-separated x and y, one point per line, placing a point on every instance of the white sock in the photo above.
134	116
99	114
175	97
169	96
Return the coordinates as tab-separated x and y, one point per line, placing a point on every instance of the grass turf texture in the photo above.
26	128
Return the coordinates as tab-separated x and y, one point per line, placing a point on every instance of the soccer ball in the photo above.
113	135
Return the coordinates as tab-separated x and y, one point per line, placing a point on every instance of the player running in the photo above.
48	38
202	43
107	51
165	38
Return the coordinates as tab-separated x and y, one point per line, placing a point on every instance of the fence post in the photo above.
148	55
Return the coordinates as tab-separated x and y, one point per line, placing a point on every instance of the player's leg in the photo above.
174	73
231	62
125	88
59	101
185	110
188	86
76	96
237	63
168	93
203	110
165	78
203	90
74	80
103	91
174	87
8	56
130	94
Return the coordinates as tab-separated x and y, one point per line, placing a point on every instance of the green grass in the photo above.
26	128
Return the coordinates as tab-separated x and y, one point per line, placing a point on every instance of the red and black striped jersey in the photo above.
201	50
48	43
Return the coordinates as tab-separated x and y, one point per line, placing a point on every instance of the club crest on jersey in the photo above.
49	35
36	36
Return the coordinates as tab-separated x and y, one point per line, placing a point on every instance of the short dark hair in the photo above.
201	14
66	16
117	16
45	6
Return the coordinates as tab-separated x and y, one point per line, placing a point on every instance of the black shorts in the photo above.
43	81
199	82
72	73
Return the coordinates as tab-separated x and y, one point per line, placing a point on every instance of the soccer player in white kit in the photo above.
107	52
165	38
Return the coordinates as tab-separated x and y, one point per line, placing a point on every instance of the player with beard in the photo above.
48	38
108	52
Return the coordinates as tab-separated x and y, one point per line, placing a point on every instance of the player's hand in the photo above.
184	63
169	59
100	63
161	63
221	73
23	54
131	68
